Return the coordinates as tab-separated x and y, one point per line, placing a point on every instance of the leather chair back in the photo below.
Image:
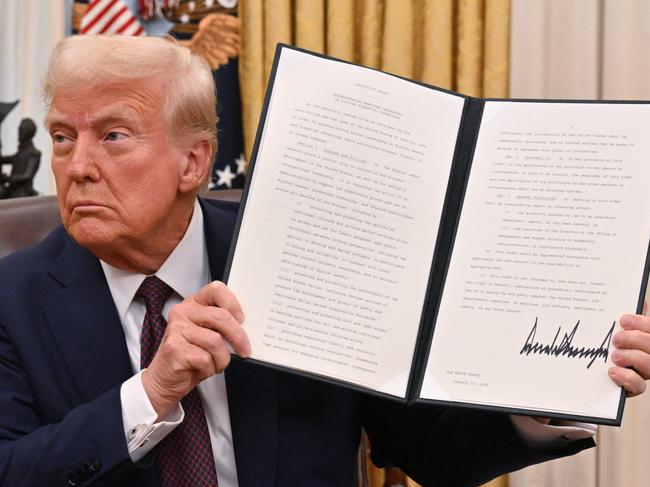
25	221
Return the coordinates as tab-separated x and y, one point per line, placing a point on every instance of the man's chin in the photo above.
92	235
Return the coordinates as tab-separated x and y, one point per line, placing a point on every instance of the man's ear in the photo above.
196	165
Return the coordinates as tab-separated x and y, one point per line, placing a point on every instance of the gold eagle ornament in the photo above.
214	27
216	39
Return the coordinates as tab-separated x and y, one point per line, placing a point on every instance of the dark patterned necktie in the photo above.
185	458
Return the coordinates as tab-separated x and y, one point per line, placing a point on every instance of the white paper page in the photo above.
337	239
554	231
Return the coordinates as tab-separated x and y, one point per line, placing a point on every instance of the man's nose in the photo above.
84	163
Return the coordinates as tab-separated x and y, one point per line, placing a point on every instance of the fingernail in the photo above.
612	372
616	355
627	321
616	340
239	317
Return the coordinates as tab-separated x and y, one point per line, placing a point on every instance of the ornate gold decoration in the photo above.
216	39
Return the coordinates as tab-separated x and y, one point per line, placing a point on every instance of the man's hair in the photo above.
189	98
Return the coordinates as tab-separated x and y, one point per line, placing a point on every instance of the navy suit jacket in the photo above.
63	357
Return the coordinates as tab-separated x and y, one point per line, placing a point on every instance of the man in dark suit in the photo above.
114	368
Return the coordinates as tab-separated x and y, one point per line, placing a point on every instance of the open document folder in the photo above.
429	246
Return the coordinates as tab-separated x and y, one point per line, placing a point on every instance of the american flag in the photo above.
110	17
149	9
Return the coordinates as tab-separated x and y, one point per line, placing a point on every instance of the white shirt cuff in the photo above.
555	434
138	417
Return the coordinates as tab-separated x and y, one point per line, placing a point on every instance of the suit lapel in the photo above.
252	389
85	324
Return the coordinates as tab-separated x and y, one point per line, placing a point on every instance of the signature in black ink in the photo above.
565	348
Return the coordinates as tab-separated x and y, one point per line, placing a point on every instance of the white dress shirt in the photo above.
186	271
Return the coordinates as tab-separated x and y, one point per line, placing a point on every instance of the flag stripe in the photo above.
110	17
91	13
100	26
94	15
98	16
92	6
126	26
117	25
132	29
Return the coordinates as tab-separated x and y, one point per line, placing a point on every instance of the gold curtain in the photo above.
460	45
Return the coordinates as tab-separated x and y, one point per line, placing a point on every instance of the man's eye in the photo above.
58	138
113	136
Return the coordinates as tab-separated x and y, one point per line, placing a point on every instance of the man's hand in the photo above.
632	354
194	345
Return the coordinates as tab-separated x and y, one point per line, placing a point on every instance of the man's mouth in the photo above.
86	206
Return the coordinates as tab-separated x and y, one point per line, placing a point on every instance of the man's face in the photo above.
117	172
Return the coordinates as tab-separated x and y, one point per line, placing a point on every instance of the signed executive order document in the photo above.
420	244
550	251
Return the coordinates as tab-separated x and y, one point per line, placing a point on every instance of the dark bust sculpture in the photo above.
24	164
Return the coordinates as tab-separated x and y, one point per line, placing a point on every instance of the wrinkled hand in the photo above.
194	345
632	353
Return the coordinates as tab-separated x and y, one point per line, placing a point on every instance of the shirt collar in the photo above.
186	270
